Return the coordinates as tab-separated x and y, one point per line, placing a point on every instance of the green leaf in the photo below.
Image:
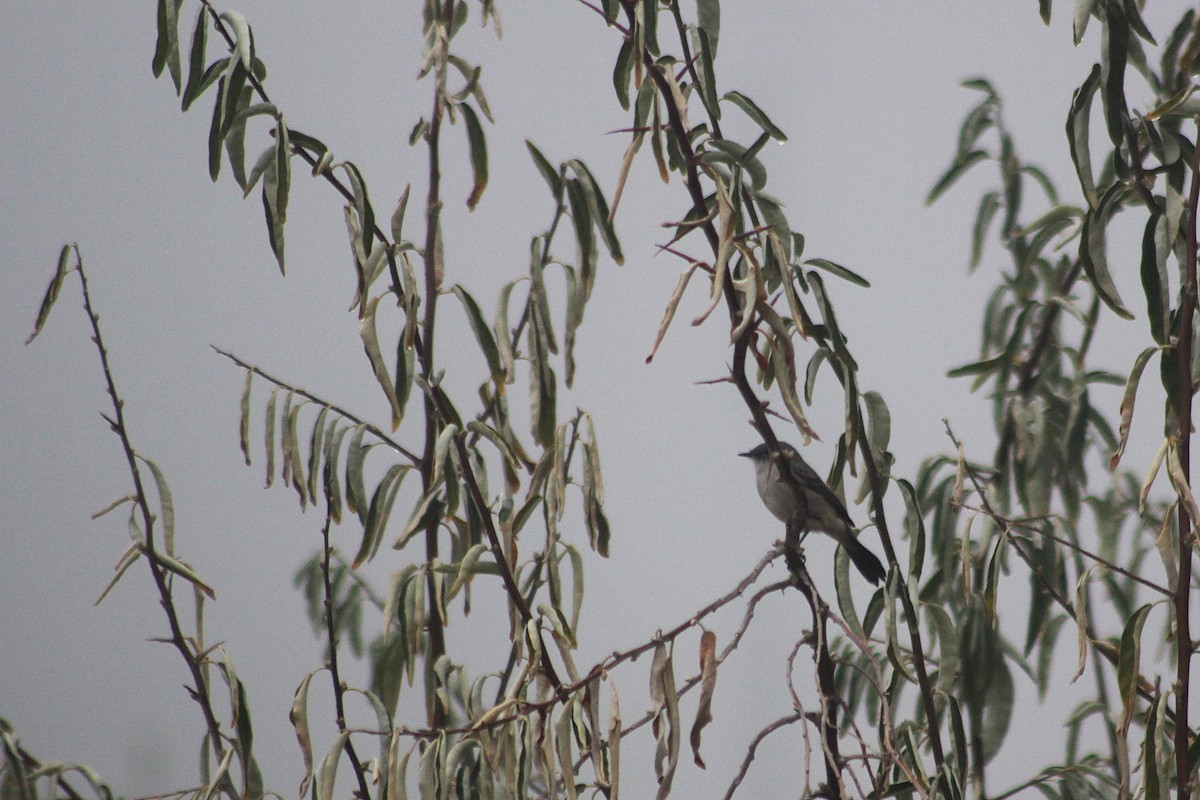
479	157
988	205
1114	49
195	82
52	291
840	271
708	14
216	133
166	48
1078	134
581	219
370	341
269	437
956	171
1129	662
166	505
549	173
707	76
601	214
244	424
356	490
998	712
483	333
382	501
1095	262
1154	276
622	72
751	109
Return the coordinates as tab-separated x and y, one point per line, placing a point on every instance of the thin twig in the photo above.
339	689
782	722
199	691
374	430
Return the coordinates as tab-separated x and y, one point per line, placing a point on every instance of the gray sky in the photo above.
97	152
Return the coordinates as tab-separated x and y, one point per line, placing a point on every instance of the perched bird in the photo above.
824	512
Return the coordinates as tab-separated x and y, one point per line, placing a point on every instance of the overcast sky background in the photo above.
97	152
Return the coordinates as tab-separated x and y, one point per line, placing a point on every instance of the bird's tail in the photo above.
864	560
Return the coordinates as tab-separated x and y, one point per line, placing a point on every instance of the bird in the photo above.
823	511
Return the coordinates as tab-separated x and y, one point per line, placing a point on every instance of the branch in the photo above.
199	691
378	433
1183	630
339	689
782	722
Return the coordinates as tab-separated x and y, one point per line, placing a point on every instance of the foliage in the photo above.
921	682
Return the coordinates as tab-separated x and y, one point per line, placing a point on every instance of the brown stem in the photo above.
199	691
339	689
1183	628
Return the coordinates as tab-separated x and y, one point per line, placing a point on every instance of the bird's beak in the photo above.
744	455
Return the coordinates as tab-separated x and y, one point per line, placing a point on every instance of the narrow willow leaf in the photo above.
53	290
377	515
622	71
1154	276
988	205
243	38
273	221
956	171
166	49
283	169
751	109
316	446
187	573
356	491
708	15
845	595
1096	264
216	132
1078	134
1182	487
1129	662
548	173
708	684
165	503
1127	403
707	76
332	482
269	437
244	423
601	214
984	367
581	219
1081	621
1000	699
371	344
441	451
326	773
672	306
840	271
467	567
127	560
948	663
195	81
416	520
398	215
483	334
1114	47
362	204
479	156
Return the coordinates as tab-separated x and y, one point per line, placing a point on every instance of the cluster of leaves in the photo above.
1032	499
937	687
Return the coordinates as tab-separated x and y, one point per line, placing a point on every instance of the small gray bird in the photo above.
825	512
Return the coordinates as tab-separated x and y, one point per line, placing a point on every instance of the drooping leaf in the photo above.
52	290
479	157
760	118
